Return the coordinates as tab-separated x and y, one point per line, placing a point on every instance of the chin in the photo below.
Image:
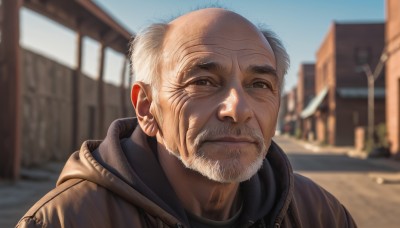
232	171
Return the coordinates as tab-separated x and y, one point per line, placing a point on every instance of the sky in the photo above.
301	25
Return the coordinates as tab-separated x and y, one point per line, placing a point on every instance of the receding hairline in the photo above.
209	18
275	45
177	30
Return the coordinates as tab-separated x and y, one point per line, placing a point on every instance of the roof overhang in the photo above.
314	103
86	17
359	92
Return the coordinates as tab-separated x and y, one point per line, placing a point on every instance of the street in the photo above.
16	198
353	181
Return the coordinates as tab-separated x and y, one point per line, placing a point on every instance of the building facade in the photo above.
287	117
281	115
392	36
305	93
340	104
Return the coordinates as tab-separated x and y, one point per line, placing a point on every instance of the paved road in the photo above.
353	181
16	198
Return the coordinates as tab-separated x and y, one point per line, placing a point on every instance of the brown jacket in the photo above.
119	183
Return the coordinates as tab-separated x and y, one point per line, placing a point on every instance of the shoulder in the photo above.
314	206
61	200
75	203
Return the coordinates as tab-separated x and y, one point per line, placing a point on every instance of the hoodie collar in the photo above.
129	155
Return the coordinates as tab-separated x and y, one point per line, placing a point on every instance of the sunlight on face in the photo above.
219	97
226	170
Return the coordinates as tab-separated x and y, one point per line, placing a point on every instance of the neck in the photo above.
198	194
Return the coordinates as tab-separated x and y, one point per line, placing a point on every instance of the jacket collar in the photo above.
128	156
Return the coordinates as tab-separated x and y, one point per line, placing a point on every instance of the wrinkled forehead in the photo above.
213	27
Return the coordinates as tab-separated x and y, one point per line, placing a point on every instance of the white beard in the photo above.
228	173
223	172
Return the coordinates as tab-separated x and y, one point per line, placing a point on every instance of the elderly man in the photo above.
199	153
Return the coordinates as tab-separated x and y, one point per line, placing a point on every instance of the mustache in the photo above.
229	130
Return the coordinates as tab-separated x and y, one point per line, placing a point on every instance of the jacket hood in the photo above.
126	163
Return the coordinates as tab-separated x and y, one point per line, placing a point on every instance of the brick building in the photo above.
341	90
291	116
281	115
305	93
287	115
393	73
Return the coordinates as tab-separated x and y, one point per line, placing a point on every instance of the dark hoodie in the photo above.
119	183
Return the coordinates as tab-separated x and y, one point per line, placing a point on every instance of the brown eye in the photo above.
202	82
260	85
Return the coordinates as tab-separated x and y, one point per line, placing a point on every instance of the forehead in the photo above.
219	43
243	41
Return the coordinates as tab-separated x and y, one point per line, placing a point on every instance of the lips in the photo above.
231	140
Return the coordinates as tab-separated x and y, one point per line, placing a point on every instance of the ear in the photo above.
142	101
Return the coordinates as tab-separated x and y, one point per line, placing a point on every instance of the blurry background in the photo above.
64	77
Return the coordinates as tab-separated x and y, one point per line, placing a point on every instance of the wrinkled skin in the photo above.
216	110
218	76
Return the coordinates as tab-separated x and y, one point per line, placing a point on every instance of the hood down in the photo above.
126	163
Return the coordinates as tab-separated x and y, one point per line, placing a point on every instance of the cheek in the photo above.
197	114
186	120
173	107
267	115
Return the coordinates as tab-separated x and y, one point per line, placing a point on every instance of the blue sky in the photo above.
301	24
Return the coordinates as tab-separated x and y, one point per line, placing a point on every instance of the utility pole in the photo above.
371	77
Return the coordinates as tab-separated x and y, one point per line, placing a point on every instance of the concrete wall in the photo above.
47	109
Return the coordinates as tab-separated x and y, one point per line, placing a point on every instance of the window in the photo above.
362	55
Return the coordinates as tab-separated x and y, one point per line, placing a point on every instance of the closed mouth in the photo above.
231	139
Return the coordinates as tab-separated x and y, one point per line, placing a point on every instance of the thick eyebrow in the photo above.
209	66
215	67
262	69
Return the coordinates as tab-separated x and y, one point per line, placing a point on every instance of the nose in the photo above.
235	107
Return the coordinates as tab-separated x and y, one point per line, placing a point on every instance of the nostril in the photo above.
235	107
228	119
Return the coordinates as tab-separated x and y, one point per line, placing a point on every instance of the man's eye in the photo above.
202	82
261	85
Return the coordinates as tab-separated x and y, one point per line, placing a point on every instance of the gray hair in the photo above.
146	55
281	56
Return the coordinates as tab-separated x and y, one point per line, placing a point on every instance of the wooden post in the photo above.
76	92
10	91
100	93
123	89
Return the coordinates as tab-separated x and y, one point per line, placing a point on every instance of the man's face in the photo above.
219	99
